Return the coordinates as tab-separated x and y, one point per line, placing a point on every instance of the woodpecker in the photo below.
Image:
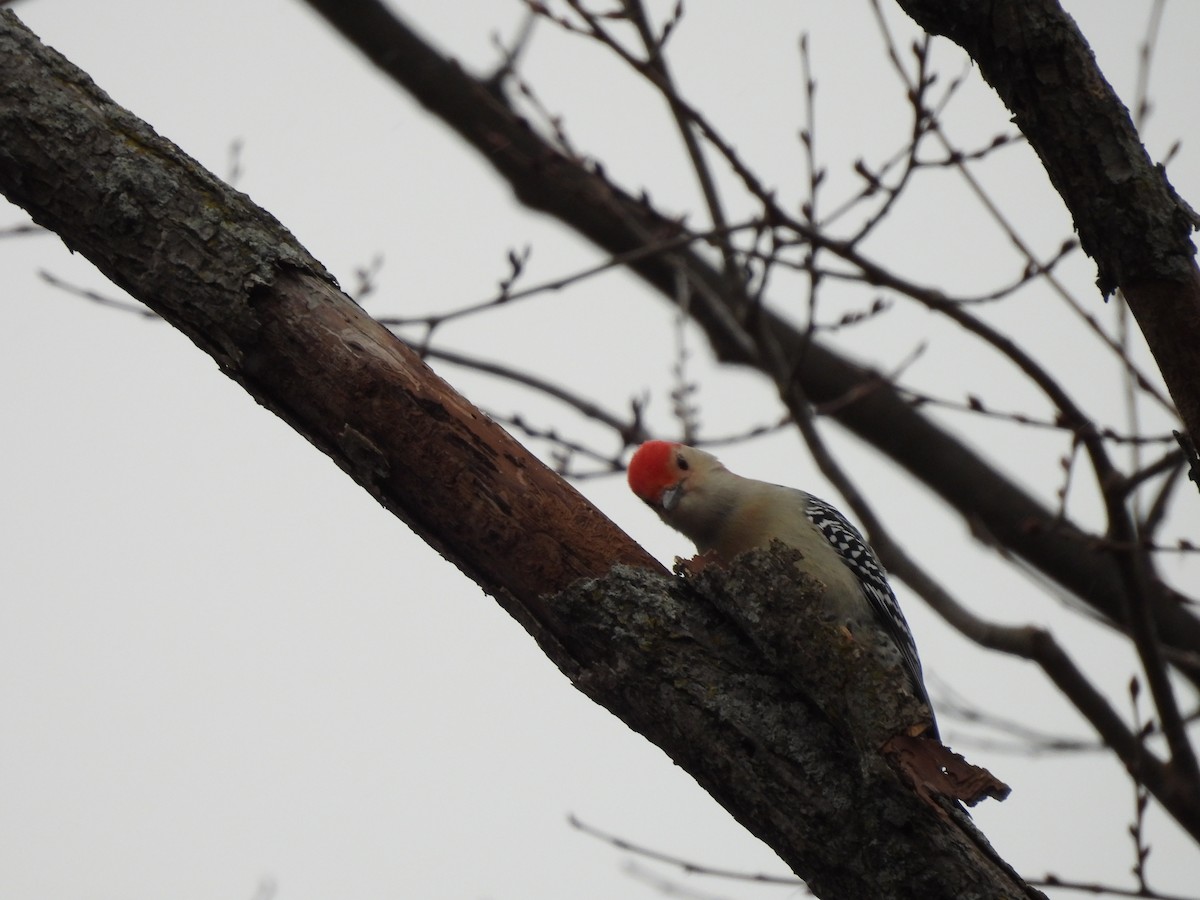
725	515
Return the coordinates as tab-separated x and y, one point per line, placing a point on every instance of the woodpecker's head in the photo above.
664	474
692	492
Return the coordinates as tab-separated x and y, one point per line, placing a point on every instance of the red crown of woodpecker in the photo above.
650	470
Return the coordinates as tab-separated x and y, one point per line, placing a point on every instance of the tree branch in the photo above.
548	181
1171	785
738	678
1129	218
228	275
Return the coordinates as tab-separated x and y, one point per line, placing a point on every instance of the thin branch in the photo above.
920	127
1141	92
563	450
1032	261
976	406
1092	887
661	77
1029	642
1141	797
510	55
808	136
600	210
667	887
22	229
1133	564
1169	461
1157	512
97	298
683	407
649	250
742	437
687	866
632	431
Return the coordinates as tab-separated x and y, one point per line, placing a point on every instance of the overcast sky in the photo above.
224	669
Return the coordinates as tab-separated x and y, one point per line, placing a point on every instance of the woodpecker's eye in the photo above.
681	463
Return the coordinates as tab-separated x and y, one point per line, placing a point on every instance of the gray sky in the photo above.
222	665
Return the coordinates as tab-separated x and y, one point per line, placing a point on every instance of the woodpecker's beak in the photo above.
670	497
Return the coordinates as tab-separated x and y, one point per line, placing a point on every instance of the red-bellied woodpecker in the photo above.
725	514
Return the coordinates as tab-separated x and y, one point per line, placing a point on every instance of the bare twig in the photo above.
621	260
510	54
1156	514
1033	264
691	868
1141	92
1092	887
366	278
234	170
631	430
564	450
96	297
656	69
1028	741
975	405
22	229
683	406
1141	796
